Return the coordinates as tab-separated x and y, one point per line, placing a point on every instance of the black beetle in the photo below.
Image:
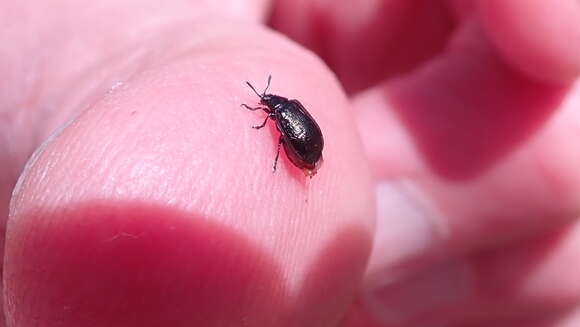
299	132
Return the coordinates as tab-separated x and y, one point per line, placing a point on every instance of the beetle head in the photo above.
272	101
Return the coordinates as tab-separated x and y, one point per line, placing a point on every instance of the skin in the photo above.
149	201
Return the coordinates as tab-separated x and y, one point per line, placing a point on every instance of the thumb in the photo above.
158	207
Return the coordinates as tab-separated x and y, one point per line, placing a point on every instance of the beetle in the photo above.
299	133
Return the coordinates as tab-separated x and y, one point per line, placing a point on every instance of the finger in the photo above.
542	45
60	56
158	205
365	42
470	123
534	278
529	282
473	154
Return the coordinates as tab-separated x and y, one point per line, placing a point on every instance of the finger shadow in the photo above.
135	264
468	109
333	279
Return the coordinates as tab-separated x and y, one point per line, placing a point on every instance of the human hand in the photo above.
469	116
154	203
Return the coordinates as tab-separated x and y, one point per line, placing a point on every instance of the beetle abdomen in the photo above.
300	132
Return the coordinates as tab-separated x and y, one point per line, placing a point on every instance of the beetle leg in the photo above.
256	108
265	121
280	140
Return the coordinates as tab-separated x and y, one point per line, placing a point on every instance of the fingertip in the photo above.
541	38
162	189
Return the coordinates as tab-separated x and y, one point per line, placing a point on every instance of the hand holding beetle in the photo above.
152	203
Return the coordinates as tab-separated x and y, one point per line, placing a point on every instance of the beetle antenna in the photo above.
267	85
253	89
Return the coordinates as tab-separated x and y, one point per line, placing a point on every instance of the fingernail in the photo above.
407	225
439	289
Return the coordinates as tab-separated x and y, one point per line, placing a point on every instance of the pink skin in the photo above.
159	206
542	48
151	201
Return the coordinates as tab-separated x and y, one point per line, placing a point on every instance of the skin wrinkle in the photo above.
188	47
